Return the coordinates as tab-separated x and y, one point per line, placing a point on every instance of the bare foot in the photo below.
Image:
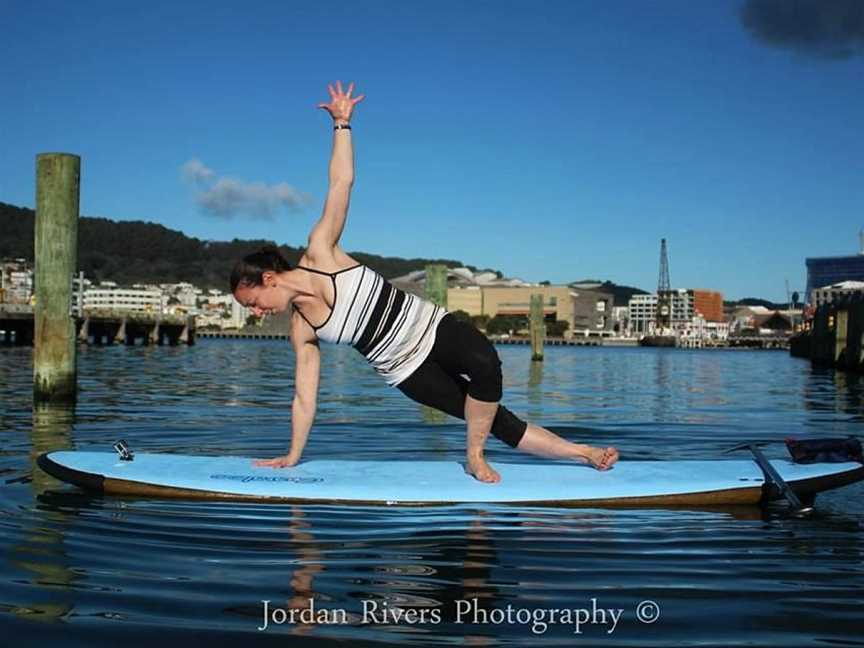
482	471
603	458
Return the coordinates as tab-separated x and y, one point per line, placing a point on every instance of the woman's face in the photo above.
265	299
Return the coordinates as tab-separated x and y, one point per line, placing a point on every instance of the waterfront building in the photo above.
592	312
485	293
642	314
516	300
16	282
692	310
79	287
239	315
709	304
759	320
219	309
828	271
108	296
830	294
185	294
620	319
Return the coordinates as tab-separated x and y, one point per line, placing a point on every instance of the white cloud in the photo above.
226	197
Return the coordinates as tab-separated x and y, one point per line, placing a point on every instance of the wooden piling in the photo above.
436	284
56	259
538	327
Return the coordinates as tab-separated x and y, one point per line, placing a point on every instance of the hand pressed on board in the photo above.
285	461
341	104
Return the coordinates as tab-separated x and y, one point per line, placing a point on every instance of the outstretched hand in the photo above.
279	462
341	103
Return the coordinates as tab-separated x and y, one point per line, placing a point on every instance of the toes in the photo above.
610	456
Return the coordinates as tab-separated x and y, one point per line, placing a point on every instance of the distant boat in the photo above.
657	341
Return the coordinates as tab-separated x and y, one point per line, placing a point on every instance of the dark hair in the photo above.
249	269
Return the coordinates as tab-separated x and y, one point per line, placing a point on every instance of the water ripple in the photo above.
83	569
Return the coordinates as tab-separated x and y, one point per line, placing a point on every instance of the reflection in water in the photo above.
848	387
40	551
51	430
663	395
829	392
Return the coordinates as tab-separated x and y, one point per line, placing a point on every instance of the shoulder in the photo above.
327	258
302	333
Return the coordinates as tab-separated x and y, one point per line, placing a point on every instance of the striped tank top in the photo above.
394	330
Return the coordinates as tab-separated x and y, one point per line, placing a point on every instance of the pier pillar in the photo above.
436	284
24	335
56	257
538	327
84	333
155	334
841	329
121	337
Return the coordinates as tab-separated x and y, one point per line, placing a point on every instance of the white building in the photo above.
684	319
79	287
239	315
108	296
620	319
828	294
184	294
16	282
642	314
221	310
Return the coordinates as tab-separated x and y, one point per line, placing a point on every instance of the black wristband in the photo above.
342	127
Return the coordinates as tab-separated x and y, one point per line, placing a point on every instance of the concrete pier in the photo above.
835	337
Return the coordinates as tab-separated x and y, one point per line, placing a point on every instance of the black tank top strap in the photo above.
321	272
328	274
300	313
332	276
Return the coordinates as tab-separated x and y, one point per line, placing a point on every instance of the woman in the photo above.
414	344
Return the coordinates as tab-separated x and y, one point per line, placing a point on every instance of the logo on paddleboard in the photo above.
266	478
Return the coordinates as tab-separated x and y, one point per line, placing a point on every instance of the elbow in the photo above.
305	403
345	180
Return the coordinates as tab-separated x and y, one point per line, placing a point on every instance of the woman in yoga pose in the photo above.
415	345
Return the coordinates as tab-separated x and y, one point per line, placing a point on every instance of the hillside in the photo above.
137	252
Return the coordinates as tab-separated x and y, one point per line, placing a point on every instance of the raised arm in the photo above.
308	359
327	231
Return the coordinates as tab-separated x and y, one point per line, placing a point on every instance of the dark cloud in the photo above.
824	28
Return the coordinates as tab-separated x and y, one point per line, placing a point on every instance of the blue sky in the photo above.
551	140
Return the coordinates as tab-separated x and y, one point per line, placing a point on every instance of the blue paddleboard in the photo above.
440	482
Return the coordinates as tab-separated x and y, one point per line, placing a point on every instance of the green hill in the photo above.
137	252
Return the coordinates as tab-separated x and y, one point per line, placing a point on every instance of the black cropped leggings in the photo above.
461	350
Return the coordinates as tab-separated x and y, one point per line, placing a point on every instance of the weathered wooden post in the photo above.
56	257
538	328
436	284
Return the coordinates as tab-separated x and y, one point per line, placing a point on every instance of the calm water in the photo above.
85	570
